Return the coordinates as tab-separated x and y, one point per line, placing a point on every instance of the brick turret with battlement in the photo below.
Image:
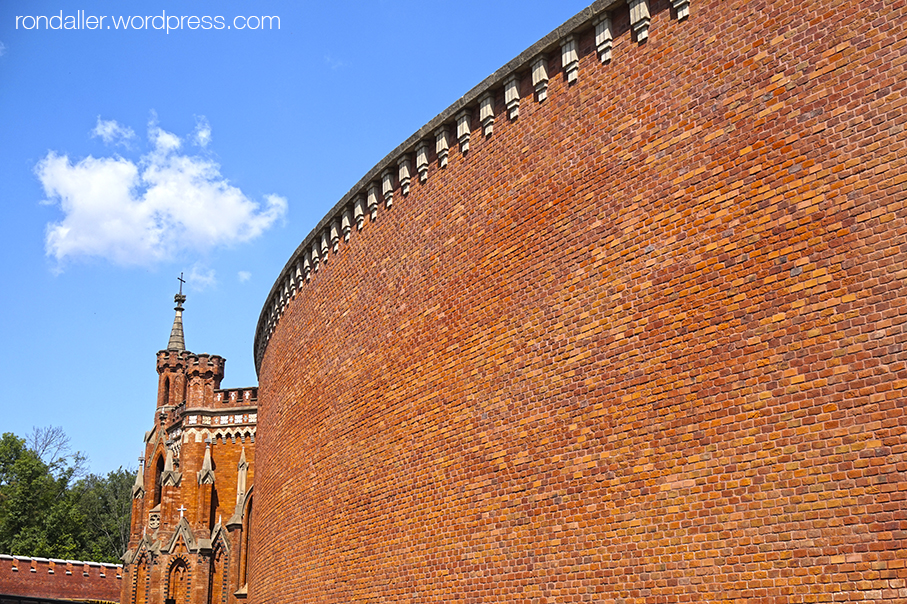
192	493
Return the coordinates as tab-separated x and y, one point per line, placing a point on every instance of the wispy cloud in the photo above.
201	278
141	213
333	62
202	134
243	276
2	49
111	132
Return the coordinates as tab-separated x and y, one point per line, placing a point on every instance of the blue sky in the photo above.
128	156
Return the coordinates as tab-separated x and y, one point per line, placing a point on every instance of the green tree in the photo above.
34	513
45	512
106	505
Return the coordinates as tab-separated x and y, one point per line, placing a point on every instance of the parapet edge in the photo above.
287	282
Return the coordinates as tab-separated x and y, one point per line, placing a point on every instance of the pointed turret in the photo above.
177	342
170	477
138	488
242	475
206	474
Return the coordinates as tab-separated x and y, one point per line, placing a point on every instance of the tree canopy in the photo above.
50	508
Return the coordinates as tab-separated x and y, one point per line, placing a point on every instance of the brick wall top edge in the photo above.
582	21
57	561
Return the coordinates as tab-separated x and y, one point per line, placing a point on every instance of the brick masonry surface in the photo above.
59	579
645	343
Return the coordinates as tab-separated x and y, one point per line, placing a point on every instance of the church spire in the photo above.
176	334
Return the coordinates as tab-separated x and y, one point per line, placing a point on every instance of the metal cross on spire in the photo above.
177	341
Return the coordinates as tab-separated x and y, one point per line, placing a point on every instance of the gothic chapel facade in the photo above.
192	498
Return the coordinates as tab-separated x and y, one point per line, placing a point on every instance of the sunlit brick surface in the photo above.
645	343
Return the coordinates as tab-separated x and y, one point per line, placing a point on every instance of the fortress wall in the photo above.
643	343
63	579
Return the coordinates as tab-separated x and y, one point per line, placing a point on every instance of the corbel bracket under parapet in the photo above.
512	97
442	145
540	78
570	59
682	8
604	39
639	19
403	167
486	113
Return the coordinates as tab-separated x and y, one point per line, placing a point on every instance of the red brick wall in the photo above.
646	343
68	580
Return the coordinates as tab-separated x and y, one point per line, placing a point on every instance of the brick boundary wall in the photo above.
643	343
60	579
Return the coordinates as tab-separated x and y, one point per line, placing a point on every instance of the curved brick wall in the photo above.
645	343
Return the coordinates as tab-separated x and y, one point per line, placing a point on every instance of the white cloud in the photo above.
111	132
202	133
333	62
201	278
243	276
141	213
2	49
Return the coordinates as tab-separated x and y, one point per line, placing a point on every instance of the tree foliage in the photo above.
48	510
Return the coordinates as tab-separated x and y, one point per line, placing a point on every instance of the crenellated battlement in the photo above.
237	396
523	80
196	364
63	579
188	378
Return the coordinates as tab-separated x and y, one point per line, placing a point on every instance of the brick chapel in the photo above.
192	498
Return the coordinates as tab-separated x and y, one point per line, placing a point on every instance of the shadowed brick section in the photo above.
644	343
59	579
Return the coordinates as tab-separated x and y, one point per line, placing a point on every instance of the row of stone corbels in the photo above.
328	240
50	565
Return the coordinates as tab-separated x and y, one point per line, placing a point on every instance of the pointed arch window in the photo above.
217	578
158	472
165	393
178	583
140	588
245	547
